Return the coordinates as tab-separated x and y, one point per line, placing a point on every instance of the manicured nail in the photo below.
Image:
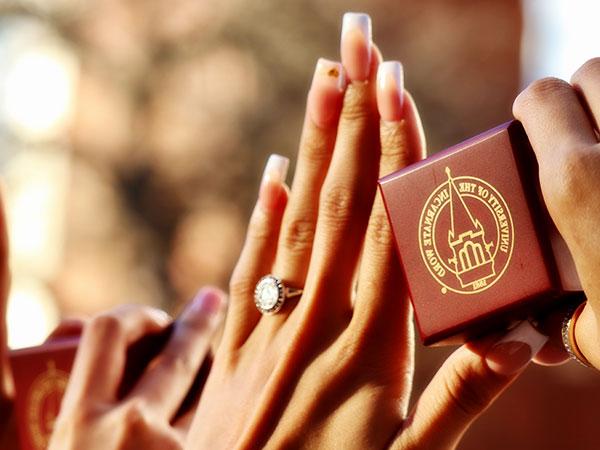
390	90
515	350
207	302
276	169
355	46
160	316
273	178
326	92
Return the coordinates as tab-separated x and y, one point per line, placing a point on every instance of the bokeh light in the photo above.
38	92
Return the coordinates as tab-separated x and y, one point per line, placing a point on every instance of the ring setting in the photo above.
271	293
568	335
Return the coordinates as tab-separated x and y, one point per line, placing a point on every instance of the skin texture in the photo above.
561	120
334	369
99	413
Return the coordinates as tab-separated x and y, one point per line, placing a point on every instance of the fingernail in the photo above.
326	91
355	46
515	350
160	316
207	302
273	178
390	90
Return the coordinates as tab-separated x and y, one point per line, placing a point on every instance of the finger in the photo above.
382	291
554	120
587	82
316	145
67	328
349	187
550	324
258	253
101	356
381	287
170	376
466	384
587	335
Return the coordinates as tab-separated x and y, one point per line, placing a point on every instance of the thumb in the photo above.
467	383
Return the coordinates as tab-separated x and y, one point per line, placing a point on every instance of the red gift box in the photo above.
476	242
40	375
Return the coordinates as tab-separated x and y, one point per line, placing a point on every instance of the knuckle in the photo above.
241	286
179	362
83	416
339	203
395	150
258	228
357	106
379	230
313	149
468	389
565	187
299	234
589	71
538	92
134	414
105	325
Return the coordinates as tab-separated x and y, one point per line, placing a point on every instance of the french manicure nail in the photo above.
515	350
390	90
276	169
207	302
355	46
160	316
326	91
274	176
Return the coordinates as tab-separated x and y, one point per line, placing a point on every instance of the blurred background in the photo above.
133	134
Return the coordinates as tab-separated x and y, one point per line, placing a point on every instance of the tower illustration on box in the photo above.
472	259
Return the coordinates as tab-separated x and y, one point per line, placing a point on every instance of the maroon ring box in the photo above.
41	375
477	245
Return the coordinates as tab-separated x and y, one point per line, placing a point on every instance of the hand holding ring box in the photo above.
41	375
477	245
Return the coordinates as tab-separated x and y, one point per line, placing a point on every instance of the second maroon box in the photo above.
475	240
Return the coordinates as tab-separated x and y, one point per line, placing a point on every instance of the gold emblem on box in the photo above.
43	404
466	234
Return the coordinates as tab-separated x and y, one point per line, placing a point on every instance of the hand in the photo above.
561	120
334	369
103	408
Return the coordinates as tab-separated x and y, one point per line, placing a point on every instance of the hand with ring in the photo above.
561	120
333	367
107	408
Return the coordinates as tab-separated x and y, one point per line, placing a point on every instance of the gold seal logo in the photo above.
43	404
466	234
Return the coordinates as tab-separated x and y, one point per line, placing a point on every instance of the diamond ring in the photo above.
270	294
568	334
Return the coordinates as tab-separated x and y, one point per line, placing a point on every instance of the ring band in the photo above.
271	293
568	335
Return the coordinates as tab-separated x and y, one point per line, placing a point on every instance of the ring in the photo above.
271	293
568	335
